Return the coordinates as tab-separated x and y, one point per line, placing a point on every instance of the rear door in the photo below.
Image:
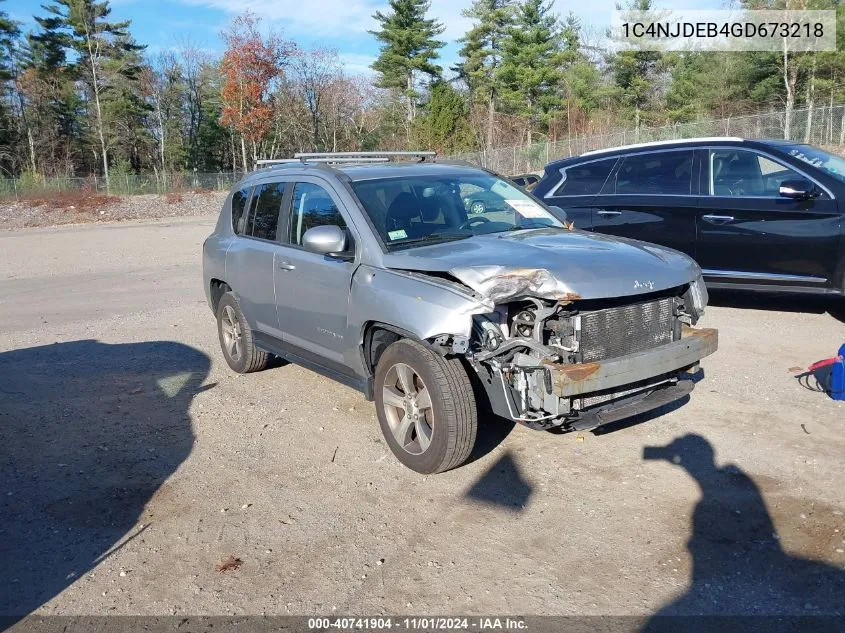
578	185
748	233
651	196
250	257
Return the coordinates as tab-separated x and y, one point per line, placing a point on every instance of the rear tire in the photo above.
236	340
425	406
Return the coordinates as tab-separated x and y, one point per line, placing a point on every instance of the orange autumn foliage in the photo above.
250	65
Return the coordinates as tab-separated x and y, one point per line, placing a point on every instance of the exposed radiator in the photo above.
626	329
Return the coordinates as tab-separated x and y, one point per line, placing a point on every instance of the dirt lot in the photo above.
134	462
80	207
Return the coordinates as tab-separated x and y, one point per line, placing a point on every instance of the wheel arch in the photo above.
377	337
217	288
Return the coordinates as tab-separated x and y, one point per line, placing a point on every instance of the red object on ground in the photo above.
824	363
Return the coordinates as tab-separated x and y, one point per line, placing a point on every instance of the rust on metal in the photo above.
706	333
568	297
573	373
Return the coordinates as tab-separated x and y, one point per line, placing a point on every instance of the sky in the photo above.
338	24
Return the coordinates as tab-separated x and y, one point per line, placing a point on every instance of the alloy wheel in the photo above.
230	327
407	407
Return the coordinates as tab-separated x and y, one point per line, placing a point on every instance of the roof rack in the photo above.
298	161
329	158
334	157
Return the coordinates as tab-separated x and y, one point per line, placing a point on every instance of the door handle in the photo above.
717	219
610	214
286	266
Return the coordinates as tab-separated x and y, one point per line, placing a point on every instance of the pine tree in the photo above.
82	26
9	34
531	56
408	48
580	78
445	125
482	53
634	72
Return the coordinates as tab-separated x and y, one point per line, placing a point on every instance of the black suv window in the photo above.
311	206
586	179
743	173
667	173
266	204
239	199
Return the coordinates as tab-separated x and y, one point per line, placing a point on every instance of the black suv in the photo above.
754	214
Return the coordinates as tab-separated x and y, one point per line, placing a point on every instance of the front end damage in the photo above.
557	360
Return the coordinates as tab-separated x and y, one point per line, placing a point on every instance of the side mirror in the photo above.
326	240
798	189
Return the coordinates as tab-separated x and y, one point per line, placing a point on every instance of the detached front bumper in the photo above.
568	381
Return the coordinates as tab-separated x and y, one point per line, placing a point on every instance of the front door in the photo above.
653	197
312	290
749	233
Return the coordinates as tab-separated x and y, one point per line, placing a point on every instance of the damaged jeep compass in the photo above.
371	268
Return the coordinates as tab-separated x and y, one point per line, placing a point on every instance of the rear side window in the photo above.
239	199
311	206
667	173
585	180
266	204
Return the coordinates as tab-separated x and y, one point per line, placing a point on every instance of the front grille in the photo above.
626	329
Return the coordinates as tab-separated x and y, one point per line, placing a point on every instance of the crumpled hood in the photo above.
552	264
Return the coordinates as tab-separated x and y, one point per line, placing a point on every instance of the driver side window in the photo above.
311	206
738	173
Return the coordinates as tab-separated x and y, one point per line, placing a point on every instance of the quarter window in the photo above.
660	173
585	180
239	199
266	204
311	206
736	172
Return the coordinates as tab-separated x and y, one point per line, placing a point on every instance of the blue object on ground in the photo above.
837	377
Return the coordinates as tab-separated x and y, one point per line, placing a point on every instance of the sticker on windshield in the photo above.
529	209
397	235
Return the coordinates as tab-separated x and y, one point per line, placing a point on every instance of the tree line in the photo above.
80	96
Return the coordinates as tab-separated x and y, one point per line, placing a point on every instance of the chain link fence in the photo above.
119	184
821	125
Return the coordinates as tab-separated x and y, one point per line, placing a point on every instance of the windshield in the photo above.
424	209
829	163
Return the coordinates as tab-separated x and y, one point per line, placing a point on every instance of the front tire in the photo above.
477	207
236	340
425	406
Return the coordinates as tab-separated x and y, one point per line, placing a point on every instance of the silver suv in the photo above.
377	275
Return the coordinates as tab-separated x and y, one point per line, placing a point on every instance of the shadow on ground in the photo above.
502	485
89	432
834	306
738	564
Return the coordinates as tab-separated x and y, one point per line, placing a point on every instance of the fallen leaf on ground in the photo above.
229	563
794	369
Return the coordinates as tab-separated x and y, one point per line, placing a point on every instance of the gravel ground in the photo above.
16	215
135	463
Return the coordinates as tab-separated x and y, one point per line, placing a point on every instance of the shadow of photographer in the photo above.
89	433
738	565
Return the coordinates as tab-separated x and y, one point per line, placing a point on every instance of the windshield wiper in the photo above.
439	237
